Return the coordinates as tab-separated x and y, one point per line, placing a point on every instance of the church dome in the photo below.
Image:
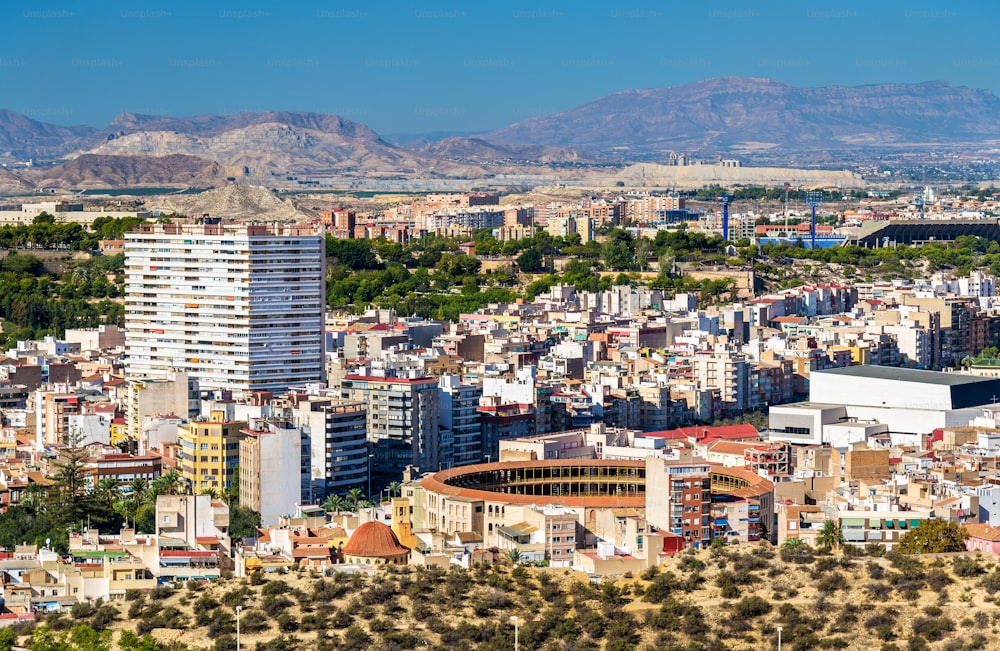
374	540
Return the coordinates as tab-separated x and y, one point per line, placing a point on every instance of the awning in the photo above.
915	523
852	522
721	522
902	524
874	523
889	524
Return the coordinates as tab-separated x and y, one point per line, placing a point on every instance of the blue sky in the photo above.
458	67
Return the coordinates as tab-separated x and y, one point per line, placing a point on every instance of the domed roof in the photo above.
374	540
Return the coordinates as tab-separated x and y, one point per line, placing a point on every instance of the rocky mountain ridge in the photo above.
734	114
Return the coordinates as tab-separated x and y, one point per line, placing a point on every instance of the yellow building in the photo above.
401	513
209	451
119	431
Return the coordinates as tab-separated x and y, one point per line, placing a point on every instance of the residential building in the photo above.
403	422
271	468
177	394
338	457
210	451
678	499
459	416
236	306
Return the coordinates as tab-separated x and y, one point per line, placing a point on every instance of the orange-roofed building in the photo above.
374	543
983	537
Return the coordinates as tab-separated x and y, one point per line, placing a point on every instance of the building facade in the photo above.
338	446
403	423
209	452
271	469
236	306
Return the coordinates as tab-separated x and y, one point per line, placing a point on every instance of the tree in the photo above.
22	263
618	251
243	521
79	638
68	500
514	555
643	249
129	641
231	495
395	488
530	261
334	504
830	536
354	496
171	483
933	537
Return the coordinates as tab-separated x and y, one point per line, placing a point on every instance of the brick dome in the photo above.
374	540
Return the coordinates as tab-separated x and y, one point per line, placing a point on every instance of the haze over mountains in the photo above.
709	118
738	114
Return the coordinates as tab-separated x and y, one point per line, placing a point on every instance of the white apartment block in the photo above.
236	306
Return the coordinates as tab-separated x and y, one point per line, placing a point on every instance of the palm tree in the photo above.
33	496
334	504
514	555
395	488
355	495
106	489
830	535
169	484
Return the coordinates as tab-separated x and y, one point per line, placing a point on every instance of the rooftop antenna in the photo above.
813	199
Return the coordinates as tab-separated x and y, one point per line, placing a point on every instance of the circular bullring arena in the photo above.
576	482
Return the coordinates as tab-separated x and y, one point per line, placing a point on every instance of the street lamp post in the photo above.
513	620
779	638
239	611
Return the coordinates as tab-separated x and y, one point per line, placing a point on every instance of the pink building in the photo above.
983	537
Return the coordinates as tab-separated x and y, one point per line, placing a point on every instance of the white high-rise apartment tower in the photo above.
237	306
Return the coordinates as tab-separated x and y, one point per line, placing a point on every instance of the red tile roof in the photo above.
700	433
374	540
983	531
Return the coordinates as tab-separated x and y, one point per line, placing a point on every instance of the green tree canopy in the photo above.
830	535
933	537
618	251
530	261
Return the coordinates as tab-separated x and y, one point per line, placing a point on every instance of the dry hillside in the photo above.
732	598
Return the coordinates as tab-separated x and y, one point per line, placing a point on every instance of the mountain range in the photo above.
723	116
739	114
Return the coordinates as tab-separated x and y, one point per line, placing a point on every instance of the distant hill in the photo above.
729	115
92	170
22	138
273	143
12	183
257	145
232	200
479	151
741	114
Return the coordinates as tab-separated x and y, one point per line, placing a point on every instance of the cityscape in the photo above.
686	349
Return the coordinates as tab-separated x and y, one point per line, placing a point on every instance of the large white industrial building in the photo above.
850	404
236	306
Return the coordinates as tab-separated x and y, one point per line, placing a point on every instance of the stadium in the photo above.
495	499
